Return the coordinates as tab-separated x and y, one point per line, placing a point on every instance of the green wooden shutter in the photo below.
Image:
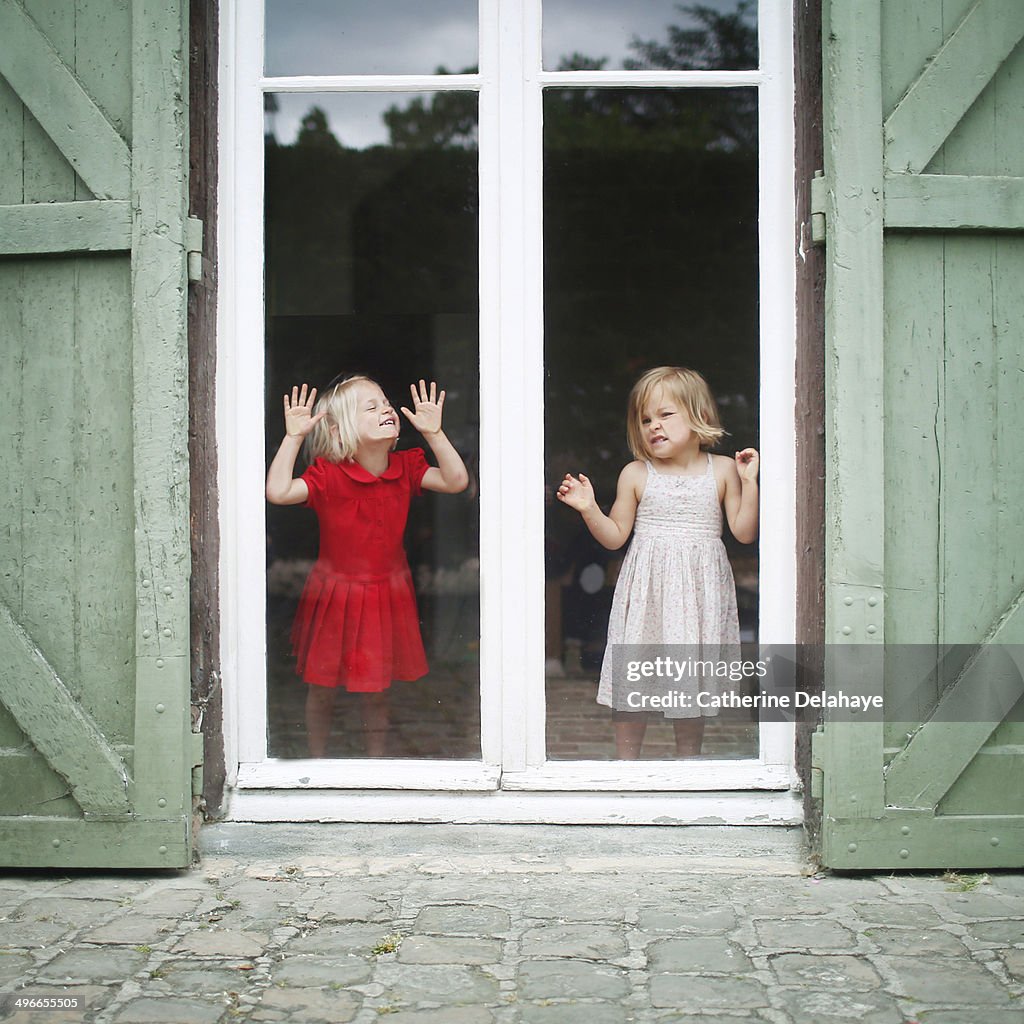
96	749
924	211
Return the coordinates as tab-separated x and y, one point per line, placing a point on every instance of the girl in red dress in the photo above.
357	625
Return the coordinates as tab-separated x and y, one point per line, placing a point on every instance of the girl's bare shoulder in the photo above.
723	465
633	477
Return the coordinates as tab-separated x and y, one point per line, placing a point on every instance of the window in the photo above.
530	206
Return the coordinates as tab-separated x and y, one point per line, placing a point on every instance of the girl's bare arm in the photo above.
282	487
450	475
741	495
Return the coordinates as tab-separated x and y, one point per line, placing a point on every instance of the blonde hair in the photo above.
336	436
689	390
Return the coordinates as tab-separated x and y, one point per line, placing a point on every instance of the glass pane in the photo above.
650	35
371	248
388	37
651	259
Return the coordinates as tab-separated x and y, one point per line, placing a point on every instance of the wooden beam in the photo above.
37	228
44	842
163	769
950	83
908	839
854	379
58	726
950	202
50	90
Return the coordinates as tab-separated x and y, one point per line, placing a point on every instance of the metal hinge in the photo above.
817	763
194	248
819	188
197	763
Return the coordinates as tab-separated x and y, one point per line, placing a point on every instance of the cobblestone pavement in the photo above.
437	924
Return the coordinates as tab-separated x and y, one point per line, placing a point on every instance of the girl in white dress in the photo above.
676	584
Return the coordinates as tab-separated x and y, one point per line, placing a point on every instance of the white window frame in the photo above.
513	709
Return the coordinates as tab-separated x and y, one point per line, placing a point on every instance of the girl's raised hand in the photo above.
298	412
576	492
428	405
748	463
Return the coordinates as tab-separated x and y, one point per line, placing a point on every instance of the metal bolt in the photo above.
852	848
146	634
994	840
904	854
847	601
905	830
161	802
160	709
847	631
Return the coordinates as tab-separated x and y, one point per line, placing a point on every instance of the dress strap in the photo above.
650	467
710	469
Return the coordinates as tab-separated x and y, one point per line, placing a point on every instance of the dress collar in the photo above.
364	476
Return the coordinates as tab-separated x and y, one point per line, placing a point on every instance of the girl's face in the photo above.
666	426
376	420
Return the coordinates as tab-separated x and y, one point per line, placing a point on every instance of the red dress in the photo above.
357	625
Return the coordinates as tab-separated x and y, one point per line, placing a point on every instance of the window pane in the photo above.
651	258
387	37
650	35
371	247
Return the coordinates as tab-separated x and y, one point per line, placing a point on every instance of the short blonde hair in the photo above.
689	390
336	437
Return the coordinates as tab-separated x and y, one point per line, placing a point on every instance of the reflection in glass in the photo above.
651	258
387	37
650	35
371	267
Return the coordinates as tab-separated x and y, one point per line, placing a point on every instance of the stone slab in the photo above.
442	949
588	943
570	979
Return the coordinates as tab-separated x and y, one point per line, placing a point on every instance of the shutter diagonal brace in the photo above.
59	727
947	88
54	95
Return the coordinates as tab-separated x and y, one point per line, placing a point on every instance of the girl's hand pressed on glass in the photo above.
298	412
427	405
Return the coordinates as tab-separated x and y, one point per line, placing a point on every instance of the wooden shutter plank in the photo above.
30	783
12	134
46	340
103	483
975	597
37	228
58	726
947	202
57	100
951	82
47	175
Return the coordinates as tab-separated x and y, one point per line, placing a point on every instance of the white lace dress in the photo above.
676	585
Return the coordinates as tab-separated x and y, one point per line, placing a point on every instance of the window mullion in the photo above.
513	513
